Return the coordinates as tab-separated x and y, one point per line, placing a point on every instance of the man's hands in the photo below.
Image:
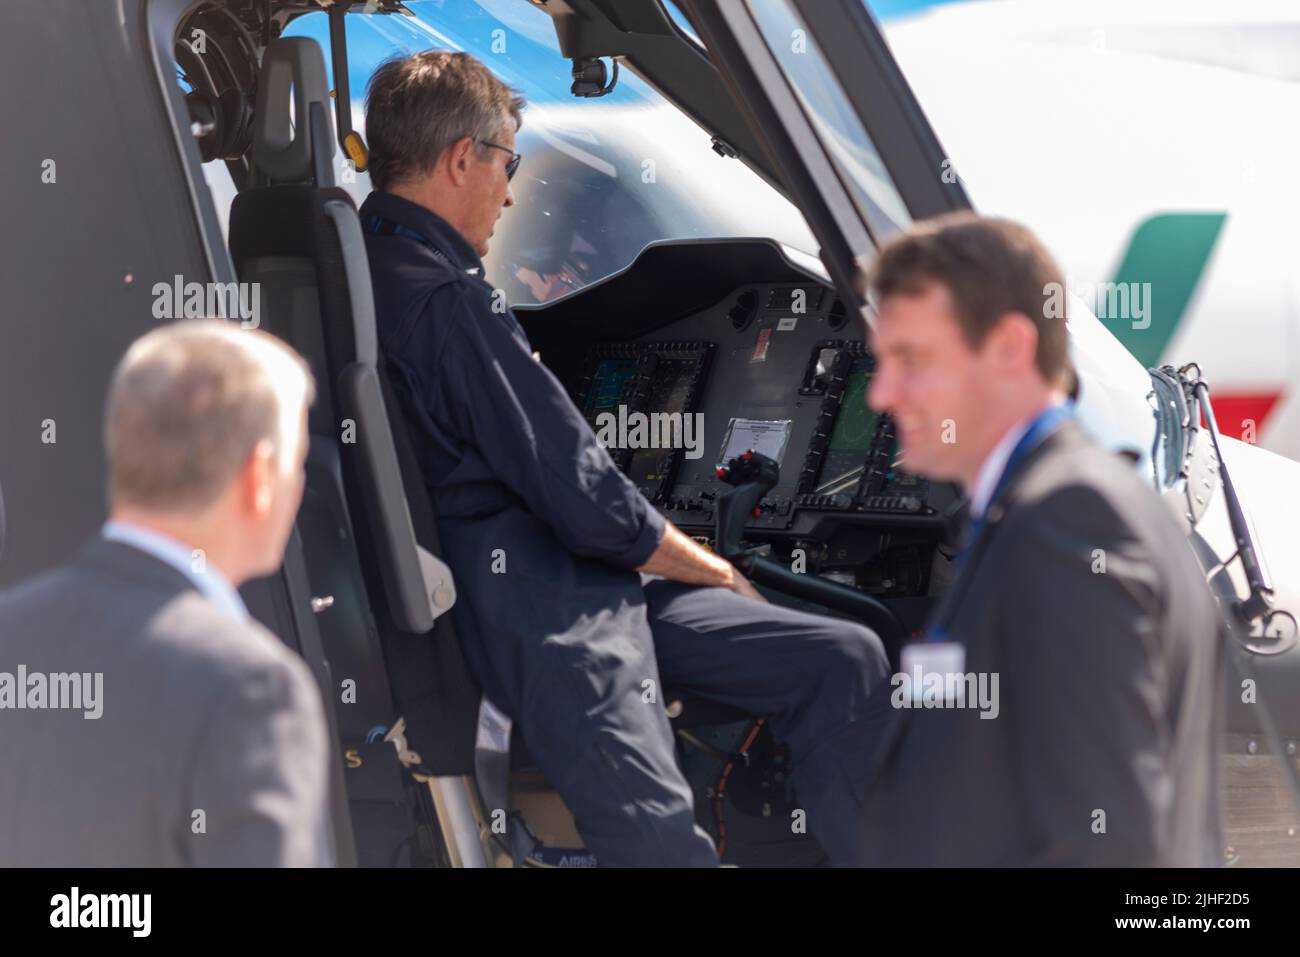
743	586
681	560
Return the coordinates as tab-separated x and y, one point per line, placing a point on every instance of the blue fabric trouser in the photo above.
822	682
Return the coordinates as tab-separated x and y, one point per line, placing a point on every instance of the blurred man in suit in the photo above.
145	718
1080	631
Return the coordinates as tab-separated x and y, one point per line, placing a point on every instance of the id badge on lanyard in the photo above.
929	663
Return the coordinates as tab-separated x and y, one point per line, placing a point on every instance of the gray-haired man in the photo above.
564	637
145	718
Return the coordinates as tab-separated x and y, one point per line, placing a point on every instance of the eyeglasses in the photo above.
513	163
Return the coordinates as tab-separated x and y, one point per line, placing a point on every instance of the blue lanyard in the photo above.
379	226
1046	422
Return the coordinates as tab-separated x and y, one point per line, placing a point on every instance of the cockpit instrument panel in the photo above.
641	398
684	360
673	405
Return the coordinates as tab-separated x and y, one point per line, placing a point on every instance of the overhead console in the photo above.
699	351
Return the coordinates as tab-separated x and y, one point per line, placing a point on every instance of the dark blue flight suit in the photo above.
543	534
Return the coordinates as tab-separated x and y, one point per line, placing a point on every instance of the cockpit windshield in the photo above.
600	177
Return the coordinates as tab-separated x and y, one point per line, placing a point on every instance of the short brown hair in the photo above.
417	106
188	404
990	267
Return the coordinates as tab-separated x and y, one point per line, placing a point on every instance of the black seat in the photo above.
368	534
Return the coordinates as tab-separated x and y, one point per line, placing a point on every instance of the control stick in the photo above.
752	475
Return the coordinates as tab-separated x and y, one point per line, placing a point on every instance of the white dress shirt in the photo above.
210	582
995	463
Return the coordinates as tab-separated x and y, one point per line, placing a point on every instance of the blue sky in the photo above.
889	9
531	60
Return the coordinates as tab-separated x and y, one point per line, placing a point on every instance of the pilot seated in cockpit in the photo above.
546	536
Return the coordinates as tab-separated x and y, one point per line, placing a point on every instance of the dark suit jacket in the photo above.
1082	594
199	713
